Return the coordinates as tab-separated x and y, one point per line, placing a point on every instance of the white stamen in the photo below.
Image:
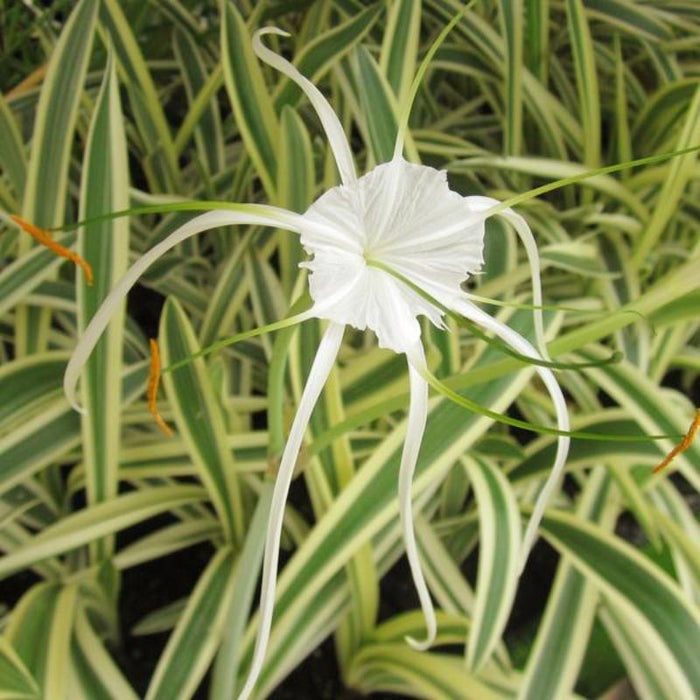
322	365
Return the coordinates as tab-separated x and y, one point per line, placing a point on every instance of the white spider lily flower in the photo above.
404	217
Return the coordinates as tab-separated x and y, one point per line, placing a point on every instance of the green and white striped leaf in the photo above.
225	671
105	246
499	558
94	522
586	80
400	46
390	667
251	104
95	672
47	174
379	106
199	630
562	638
159	159
650	681
199	418
208	134
512	21
47	428
16	683
57	112
40	631
639	592
631	17
58	641
631	388
27	383
227	298
13	159
322	52
25	274
296	187
679	174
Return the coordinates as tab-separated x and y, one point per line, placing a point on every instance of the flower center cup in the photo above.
406	217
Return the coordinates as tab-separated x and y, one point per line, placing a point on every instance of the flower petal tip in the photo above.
77	407
420	646
270	30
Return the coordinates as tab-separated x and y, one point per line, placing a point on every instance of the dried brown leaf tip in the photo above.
683	445
44	237
152	390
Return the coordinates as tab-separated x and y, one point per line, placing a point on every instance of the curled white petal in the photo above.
521	345
323	362
417	416
331	124
258	214
527	239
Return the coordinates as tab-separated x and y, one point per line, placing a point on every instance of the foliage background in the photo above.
111	531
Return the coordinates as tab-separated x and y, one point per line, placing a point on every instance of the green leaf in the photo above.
47	175
637	590
97	521
196	637
536	42
576	256
99	676
208	134
199	418
58	640
499	558
633	18
634	391
558	169
400	46
57	112
28	627
512	20
562	638
12	156
27	383
16	682
586	80
105	246
379	106
225	672
322	52
430	675
227	298
679	175
252	106
25	274
296	186
159	158
50	427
